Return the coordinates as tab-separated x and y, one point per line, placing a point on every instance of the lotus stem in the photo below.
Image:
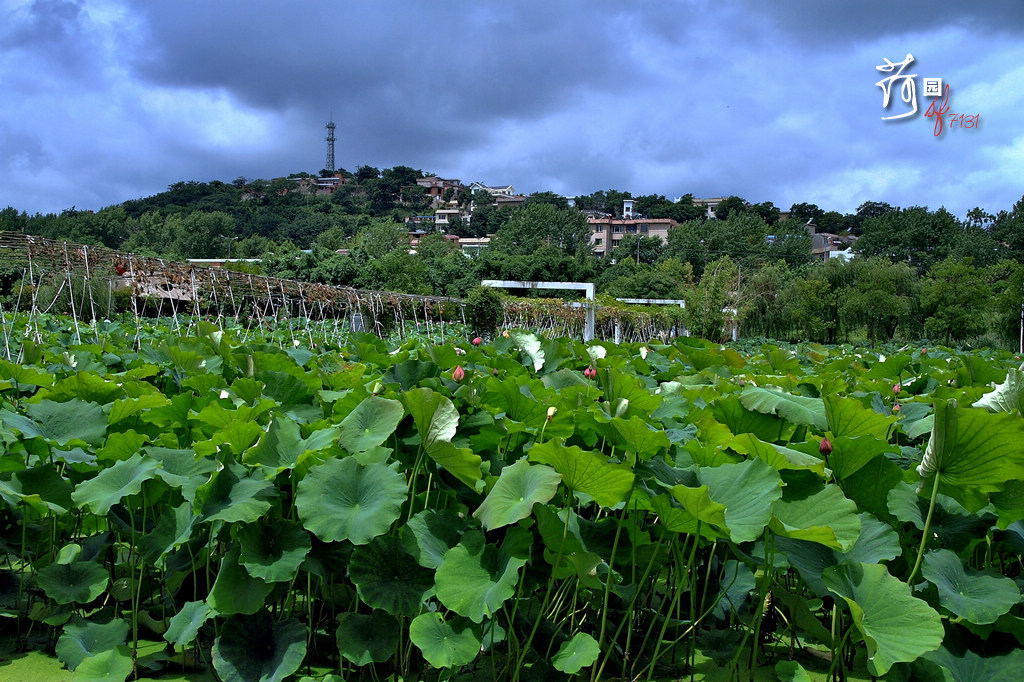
924	534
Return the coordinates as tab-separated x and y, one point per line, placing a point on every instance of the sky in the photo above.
109	100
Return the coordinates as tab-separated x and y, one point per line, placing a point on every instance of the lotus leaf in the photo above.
364	639
256	649
343	500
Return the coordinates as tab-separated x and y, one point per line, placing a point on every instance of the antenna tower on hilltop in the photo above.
330	144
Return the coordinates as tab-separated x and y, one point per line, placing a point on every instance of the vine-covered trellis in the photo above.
39	275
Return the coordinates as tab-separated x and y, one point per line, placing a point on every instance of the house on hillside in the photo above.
606	232
826	246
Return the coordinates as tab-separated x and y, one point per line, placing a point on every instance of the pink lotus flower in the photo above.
825	447
477	341
459	374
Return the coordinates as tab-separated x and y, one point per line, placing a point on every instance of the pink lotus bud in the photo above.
459	374
924	350
495	371
897	388
477	341
896	407
825	447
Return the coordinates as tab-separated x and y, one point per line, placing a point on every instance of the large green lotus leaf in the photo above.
825	516
41	488
184	625
800	613
180	468
121	445
877	542
113	484
1007	396
476	578
849	455
129	407
978	596
791	671
973	448
896	626
445	643
747	489
343	500
234	495
737	582
514	398
636	436
848	417
951	522
75	582
796	409
235	591
731	413
970	667
235	438
618	385
172	530
82	639
62	423
114	664
256	649
698	503
370	424
462	463
431	533
409	373
435	416
530	345
564	548
273	551
23	374
586	471
776	456
575	654
282	444
388	578
364	639
517	489
870	485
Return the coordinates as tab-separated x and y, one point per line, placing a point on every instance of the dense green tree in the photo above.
364	173
805	212
881	298
762	309
954	300
913	235
534	225
556	200
707	303
650	250
381	237
768	211
731	205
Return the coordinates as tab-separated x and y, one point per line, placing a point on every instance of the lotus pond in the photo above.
208	503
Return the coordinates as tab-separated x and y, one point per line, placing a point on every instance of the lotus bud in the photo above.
897	388
825	447
495	371
896	407
924	350
552	411
477	341
378	388
643	352
459	374
505	333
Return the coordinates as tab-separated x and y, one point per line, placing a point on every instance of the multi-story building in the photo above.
607	232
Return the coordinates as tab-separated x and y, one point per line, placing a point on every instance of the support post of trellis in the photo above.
587	288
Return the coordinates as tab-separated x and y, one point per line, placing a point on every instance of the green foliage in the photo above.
485	310
348	503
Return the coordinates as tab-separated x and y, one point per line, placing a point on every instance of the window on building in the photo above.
598	242
617	228
644	228
631	229
616	242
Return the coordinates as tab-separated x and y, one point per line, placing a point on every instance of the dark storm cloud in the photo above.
114	99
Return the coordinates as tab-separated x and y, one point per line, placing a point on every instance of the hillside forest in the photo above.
918	274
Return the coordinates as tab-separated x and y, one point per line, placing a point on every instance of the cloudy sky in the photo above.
109	100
